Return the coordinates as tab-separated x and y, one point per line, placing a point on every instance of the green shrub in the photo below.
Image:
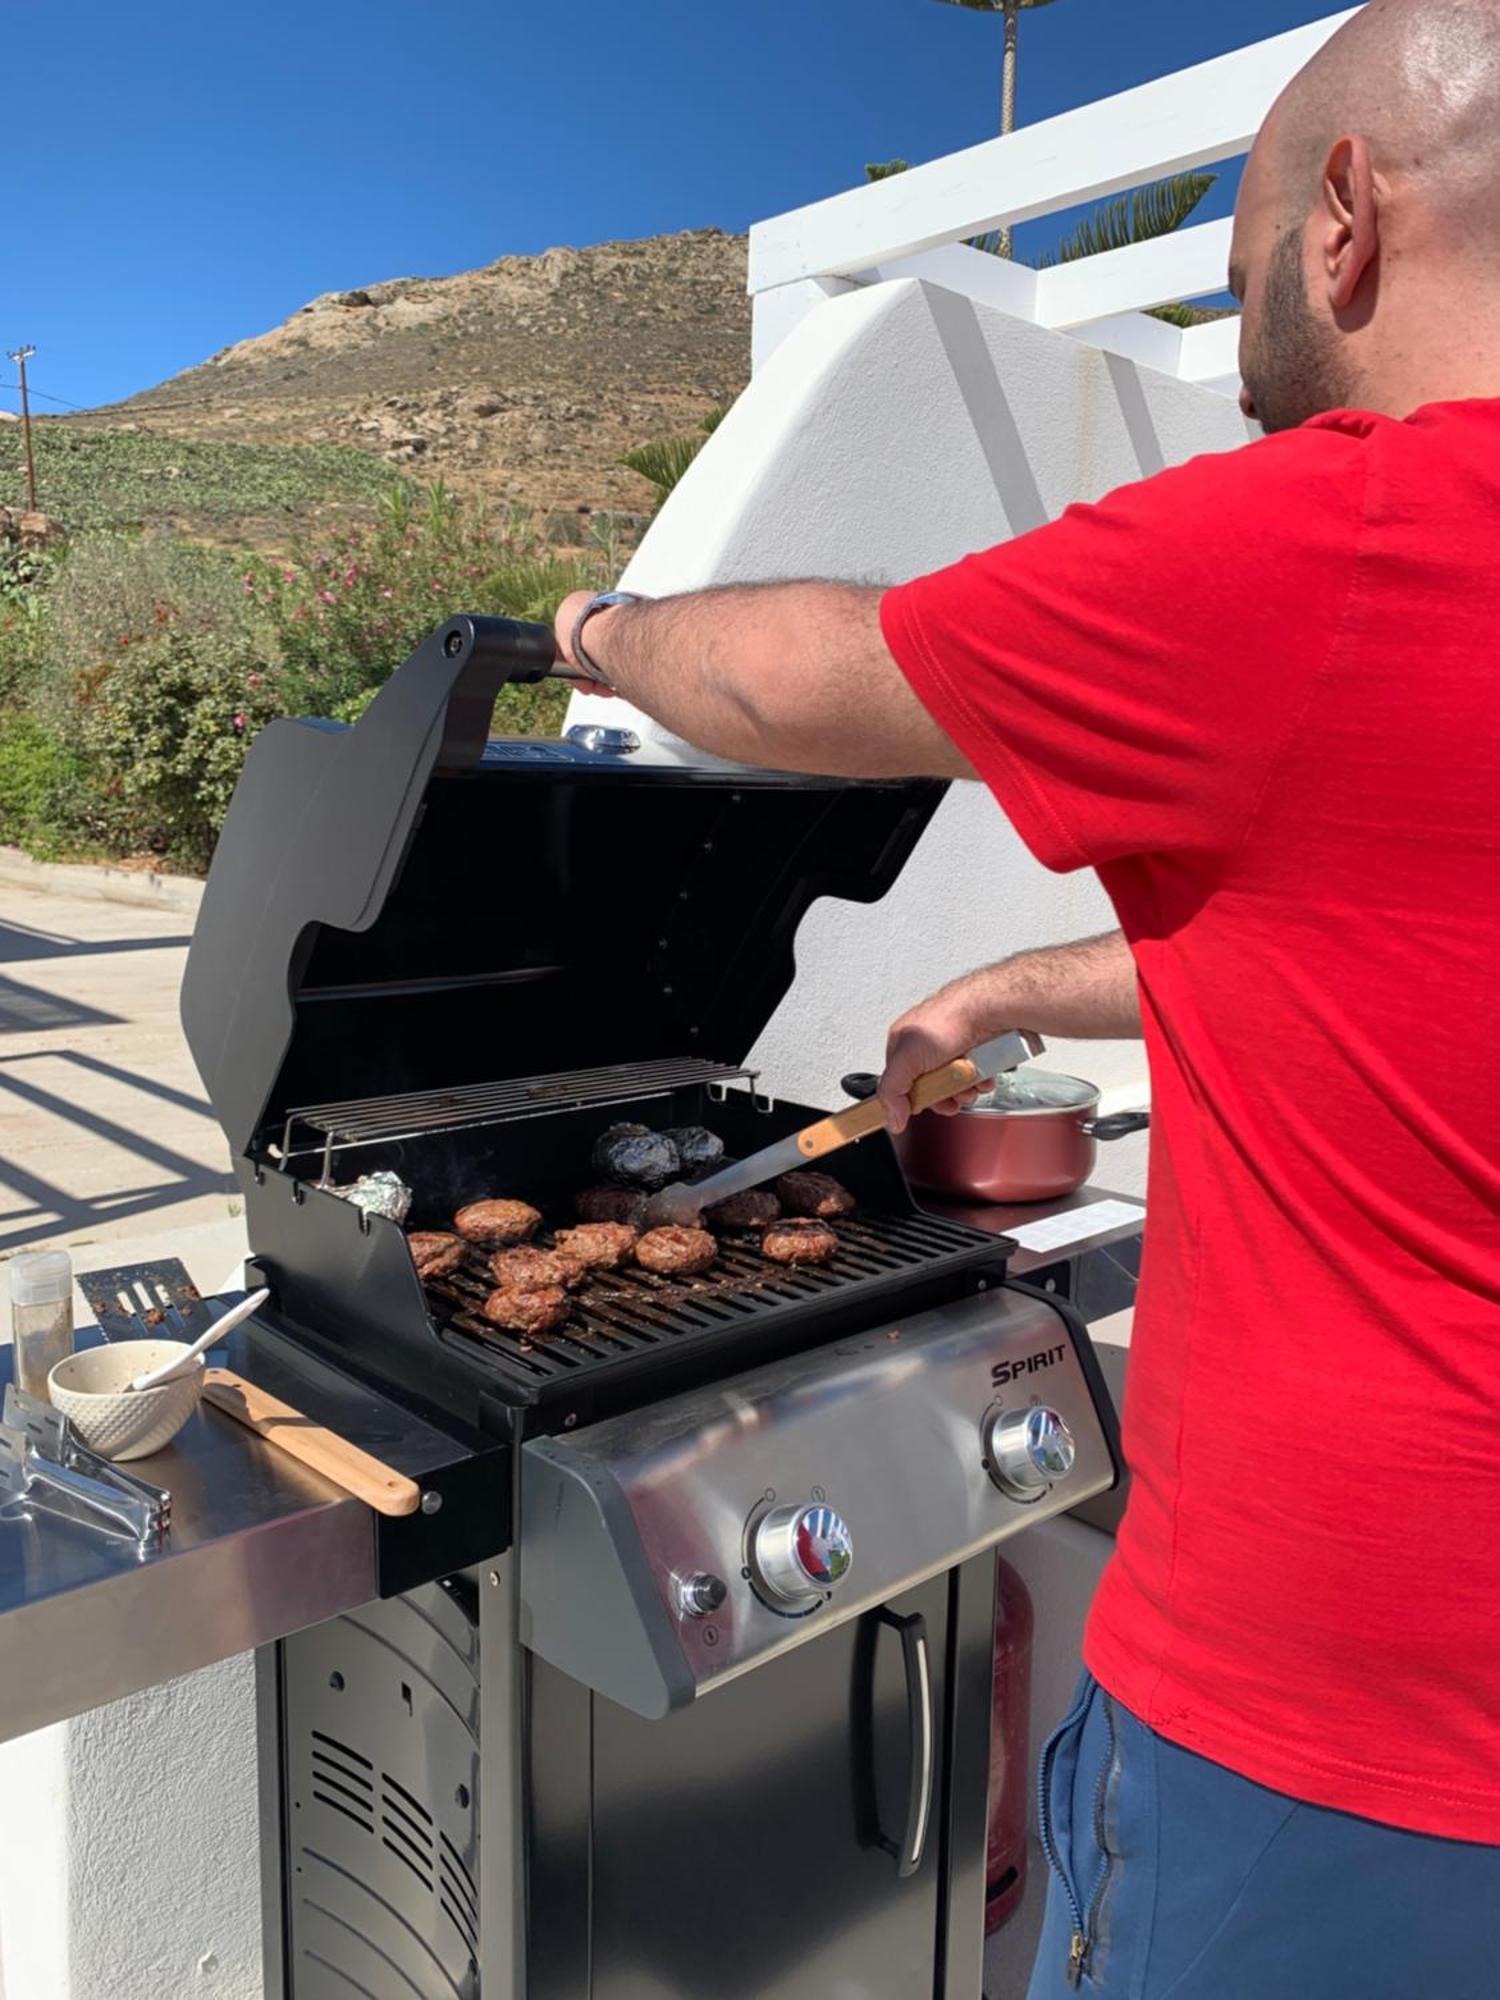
134	673
38	776
164	726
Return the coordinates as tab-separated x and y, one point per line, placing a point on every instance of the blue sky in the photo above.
182	176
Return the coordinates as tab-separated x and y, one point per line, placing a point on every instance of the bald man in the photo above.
1259	694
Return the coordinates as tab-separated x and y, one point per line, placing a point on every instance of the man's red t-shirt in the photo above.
1261	695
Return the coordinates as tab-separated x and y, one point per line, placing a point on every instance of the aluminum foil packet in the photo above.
378	1194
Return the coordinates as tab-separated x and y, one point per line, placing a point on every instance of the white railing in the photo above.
915	224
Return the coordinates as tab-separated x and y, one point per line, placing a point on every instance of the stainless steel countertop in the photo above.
1005	1220
259	1547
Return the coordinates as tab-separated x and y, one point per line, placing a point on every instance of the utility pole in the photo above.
21	355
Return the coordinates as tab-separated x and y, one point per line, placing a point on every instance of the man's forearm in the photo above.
1083	992
793	675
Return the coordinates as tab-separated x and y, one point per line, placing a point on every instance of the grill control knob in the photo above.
701	1594
801	1553
1028	1450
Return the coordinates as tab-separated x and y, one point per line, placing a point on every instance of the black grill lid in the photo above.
402	905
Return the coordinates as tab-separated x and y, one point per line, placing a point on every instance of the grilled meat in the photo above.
799	1239
597	1246
676	1253
700	1151
612	1204
528	1269
806	1193
635	1156
541	1311
435	1252
754	1209
494	1224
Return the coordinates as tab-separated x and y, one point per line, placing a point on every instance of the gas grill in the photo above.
695	1621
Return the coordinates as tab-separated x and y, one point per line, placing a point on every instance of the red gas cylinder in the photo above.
1010	1746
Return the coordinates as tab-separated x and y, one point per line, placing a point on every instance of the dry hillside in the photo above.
524	380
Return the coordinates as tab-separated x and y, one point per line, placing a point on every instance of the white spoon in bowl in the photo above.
170	1370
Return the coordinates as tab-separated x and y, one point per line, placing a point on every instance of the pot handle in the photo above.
1119	1125
860	1084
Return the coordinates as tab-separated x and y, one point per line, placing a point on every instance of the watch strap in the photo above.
604	600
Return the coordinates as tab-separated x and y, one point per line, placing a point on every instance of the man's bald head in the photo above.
1371	192
1420	80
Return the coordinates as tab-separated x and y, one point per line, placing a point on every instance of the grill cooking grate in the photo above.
620	1314
371	1121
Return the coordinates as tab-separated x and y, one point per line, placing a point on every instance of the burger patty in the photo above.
675	1252
496	1223
612	1204
806	1193
753	1209
597	1246
525	1268
541	1311
435	1252
799	1240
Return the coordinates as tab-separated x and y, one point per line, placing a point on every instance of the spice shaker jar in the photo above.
41	1316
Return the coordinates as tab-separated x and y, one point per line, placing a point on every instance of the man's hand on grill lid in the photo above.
792	676
1084	991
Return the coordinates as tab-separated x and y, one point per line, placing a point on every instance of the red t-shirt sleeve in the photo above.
1122	677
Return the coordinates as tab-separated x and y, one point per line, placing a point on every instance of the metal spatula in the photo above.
683	1204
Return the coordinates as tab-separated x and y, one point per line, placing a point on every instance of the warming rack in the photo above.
374	1121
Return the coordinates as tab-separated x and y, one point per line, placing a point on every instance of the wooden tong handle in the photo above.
860	1120
279	1424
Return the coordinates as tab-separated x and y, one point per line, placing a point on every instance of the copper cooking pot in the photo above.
1034	1137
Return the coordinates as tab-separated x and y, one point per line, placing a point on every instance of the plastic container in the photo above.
41	1316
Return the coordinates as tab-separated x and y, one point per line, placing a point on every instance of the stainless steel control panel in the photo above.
668	1550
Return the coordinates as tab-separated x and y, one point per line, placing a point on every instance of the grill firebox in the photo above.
620	1314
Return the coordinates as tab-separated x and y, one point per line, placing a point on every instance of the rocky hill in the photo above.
525	380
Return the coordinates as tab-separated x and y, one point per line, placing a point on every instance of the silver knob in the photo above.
701	1594
802	1553
1029	1450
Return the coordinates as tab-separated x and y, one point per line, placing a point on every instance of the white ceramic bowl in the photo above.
92	1390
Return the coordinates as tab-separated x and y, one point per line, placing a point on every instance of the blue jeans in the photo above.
1171	1878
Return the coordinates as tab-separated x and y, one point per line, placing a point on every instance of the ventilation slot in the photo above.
456	1893
339	1783
408	1829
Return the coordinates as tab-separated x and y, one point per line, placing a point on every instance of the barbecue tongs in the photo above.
44	1467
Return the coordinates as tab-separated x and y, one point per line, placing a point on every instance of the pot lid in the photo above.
1038	1090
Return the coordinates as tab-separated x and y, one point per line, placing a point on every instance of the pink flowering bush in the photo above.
355	606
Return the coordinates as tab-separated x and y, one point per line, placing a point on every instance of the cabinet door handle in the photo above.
912	1846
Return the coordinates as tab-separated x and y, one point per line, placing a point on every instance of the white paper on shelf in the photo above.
1055	1232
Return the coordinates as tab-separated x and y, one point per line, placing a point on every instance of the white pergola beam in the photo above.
1181	266
1198	116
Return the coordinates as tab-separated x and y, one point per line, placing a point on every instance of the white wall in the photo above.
128	1848
893	430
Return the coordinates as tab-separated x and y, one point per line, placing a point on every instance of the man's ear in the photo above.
1351	231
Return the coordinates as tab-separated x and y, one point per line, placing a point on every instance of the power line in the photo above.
46	398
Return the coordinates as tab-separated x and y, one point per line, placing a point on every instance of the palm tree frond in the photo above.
1183	315
881	170
1149	212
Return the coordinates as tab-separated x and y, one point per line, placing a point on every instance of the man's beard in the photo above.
1297	370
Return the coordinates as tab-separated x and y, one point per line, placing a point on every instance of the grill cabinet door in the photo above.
736	1844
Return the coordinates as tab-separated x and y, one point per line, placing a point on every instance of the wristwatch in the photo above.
604	600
